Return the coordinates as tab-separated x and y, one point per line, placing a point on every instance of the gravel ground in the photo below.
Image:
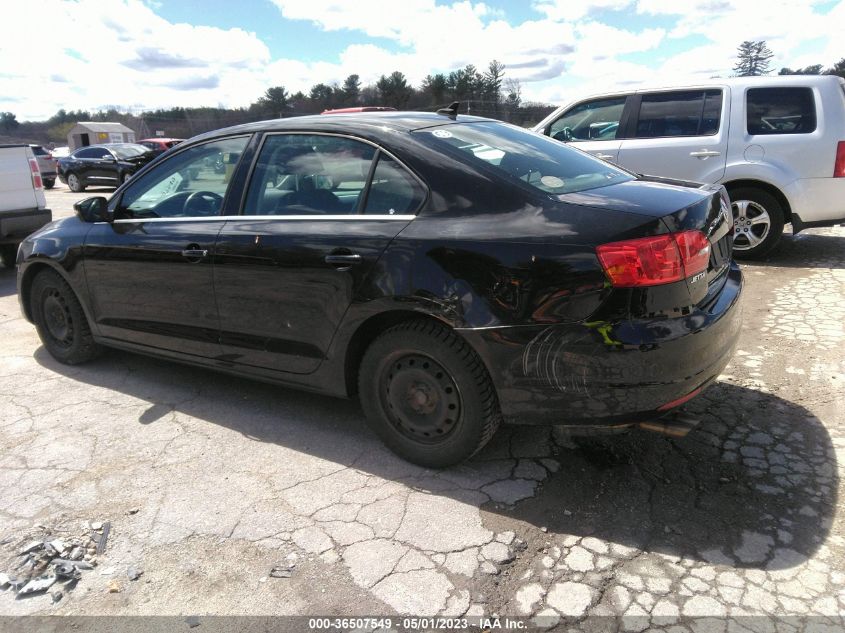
209	482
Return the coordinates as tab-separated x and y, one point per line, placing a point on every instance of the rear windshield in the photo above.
543	164
129	150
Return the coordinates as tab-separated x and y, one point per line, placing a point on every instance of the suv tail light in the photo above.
651	261
36	174
839	165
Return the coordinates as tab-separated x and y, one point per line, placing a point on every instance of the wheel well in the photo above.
367	333
763	186
26	286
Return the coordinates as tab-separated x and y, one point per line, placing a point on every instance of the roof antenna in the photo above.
451	111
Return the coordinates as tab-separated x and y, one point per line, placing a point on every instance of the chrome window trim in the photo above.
379	149
298	218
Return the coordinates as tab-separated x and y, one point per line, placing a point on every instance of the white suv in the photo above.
776	143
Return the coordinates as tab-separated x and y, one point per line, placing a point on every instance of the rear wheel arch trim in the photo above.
370	329
772	190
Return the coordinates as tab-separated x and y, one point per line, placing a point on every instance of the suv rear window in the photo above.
530	159
679	113
780	111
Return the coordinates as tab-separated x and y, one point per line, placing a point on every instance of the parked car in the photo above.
23	207
453	272
103	165
776	143
160	145
46	164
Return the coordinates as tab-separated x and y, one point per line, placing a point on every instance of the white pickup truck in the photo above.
23	208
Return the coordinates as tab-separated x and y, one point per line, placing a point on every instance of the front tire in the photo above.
427	394
60	320
74	183
758	222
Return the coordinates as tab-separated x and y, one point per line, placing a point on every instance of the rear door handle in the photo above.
343	260
705	153
603	156
195	253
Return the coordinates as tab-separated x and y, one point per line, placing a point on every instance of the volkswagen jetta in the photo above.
453	272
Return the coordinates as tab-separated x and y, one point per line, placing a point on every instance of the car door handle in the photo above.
343	259
705	153
195	253
603	156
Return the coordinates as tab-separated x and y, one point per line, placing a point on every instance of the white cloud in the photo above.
90	53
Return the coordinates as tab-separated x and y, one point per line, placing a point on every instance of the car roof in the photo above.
364	123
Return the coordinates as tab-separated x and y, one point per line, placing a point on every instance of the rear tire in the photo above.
758	222
427	394
49	183
60	320
74	183
9	253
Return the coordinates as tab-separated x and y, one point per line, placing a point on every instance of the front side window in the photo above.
191	183
596	120
780	111
309	174
679	113
523	157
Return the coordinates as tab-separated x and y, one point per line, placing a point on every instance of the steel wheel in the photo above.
57	318
60	320
427	394
422	399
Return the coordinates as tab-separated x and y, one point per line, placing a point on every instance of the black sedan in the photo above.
452	272
103	165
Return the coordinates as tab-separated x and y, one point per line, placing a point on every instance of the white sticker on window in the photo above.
553	182
442	133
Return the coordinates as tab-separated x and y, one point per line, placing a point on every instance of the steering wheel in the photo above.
210	201
564	134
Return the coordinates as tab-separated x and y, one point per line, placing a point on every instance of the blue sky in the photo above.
141	54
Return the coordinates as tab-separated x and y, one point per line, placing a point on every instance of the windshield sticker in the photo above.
442	133
553	182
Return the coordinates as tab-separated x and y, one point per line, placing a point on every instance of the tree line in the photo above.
486	92
754	59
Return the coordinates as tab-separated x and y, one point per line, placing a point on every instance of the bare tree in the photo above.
752	59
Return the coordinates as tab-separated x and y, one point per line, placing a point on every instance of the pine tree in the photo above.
752	59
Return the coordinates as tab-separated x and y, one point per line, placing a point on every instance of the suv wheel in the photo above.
758	222
60	321
74	183
427	394
49	183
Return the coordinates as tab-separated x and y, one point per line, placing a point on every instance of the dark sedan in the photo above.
452	272
103	165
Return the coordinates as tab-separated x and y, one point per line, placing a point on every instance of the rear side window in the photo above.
393	190
780	111
683	113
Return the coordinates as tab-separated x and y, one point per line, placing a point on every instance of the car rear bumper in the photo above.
16	225
606	373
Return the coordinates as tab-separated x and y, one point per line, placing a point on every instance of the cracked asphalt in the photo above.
209	481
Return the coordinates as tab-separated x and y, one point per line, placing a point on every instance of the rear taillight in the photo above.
36	174
651	261
839	165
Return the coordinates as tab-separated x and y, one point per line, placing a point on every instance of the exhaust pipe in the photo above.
675	425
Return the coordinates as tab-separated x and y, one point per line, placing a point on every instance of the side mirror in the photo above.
93	210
